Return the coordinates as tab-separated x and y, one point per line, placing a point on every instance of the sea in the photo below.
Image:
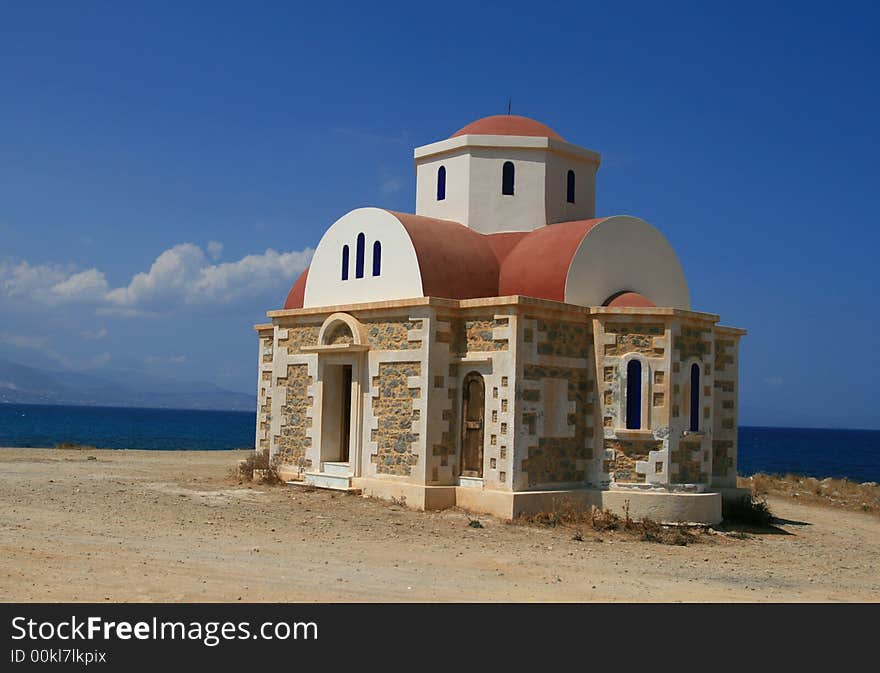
854	454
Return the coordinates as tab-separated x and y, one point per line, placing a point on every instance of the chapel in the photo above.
503	348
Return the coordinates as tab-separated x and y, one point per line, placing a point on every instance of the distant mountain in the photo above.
20	384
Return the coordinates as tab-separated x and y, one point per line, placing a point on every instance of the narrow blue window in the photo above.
377	258
634	395
507	178
344	262
359	259
441	183
695	397
569	187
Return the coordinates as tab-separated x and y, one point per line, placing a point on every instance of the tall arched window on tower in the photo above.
441	183
377	258
695	397
344	262
634	395
507	178
359	259
569	187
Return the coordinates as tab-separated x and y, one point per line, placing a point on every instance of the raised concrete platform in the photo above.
336	482
659	505
338	469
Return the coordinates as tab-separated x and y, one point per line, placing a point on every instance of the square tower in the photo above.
506	173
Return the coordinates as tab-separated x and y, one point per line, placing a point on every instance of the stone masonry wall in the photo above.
555	401
692	342
473	335
293	442
392	335
394	411
300	336
566	339
688	461
634	338
633	455
264	392
626	453
483	337
264	412
724	440
556	459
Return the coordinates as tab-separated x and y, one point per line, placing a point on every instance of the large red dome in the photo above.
507	125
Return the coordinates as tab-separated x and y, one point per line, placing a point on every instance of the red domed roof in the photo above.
630	299
538	265
455	261
297	293
507	125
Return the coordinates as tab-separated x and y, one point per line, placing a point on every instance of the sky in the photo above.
167	169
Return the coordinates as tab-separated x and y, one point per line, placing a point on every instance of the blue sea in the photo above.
821	453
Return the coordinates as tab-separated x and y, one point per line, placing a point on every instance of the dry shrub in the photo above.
748	510
842	493
259	461
73	446
603	519
761	484
653	531
568	514
564	512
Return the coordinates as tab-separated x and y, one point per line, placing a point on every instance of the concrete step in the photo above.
305	484
335	482
340	469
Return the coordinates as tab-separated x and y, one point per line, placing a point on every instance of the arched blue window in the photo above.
634	395
359	260
377	258
695	397
569	187
441	183
344	262
507	178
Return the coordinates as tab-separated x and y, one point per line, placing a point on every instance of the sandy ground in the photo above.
172	526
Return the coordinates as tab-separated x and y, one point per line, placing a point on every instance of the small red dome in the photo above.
507	125
629	299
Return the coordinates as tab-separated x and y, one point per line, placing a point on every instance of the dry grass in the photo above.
842	493
257	467
602	521
74	446
750	511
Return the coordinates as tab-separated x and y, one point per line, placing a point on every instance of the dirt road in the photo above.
172	526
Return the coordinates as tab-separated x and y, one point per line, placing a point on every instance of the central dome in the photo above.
507	125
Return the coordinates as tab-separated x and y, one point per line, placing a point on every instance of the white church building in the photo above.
503	349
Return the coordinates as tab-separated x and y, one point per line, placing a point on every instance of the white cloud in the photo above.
165	359
171	276
23	280
35	343
180	277
23	340
100	359
94	335
89	285
215	250
391	185
43	348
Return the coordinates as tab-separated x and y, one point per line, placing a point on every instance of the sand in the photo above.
172	526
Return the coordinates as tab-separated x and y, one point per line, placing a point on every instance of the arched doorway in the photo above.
473	411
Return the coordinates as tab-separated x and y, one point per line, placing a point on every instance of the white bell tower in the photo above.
505	173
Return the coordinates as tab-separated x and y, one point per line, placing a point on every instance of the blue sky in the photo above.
207	147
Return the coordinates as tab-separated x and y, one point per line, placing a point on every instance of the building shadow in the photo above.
772	528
